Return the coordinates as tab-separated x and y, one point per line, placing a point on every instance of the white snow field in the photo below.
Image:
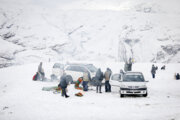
22	99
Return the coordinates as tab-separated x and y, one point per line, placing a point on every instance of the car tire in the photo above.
145	95
121	95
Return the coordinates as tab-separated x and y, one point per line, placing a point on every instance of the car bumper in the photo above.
133	91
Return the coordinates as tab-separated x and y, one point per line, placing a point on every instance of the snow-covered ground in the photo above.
22	99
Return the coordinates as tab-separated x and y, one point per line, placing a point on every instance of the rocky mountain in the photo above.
89	30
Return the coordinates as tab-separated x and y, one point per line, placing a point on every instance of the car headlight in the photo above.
124	86
143	86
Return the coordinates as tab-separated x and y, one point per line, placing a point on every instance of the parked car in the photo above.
57	71
77	70
133	83
115	79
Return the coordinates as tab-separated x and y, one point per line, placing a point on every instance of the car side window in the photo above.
80	69
76	68
70	68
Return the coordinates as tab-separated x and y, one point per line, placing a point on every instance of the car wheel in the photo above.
145	95
121	95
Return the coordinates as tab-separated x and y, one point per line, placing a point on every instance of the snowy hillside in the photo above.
93	30
23	99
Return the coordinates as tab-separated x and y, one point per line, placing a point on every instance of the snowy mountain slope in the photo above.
22	98
91	30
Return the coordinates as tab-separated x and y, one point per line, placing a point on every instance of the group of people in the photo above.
155	68
84	80
99	78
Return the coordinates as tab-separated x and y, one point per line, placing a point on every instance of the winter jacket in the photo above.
35	77
63	81
40	69
153	70
86	76
126	67
98	76
107	74
177	76
78	82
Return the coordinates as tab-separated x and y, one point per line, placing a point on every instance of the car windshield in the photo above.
91	68
133	78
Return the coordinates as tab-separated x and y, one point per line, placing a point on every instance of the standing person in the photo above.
41	72
126	66
86	79
177	76
153	71
64	82
121	74
98	78
107	76
130	65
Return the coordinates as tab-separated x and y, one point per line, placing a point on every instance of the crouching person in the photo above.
64	82
78	82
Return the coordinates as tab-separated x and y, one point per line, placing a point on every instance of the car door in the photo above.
115	79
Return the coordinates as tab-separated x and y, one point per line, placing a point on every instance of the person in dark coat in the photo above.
153	71
98	78
41	74
128	65
177	76
64	82
107	76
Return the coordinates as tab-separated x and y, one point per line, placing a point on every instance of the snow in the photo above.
102	32
91	29
21	98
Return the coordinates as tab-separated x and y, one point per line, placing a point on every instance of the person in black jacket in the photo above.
64	82
153	71
99	77
177	76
